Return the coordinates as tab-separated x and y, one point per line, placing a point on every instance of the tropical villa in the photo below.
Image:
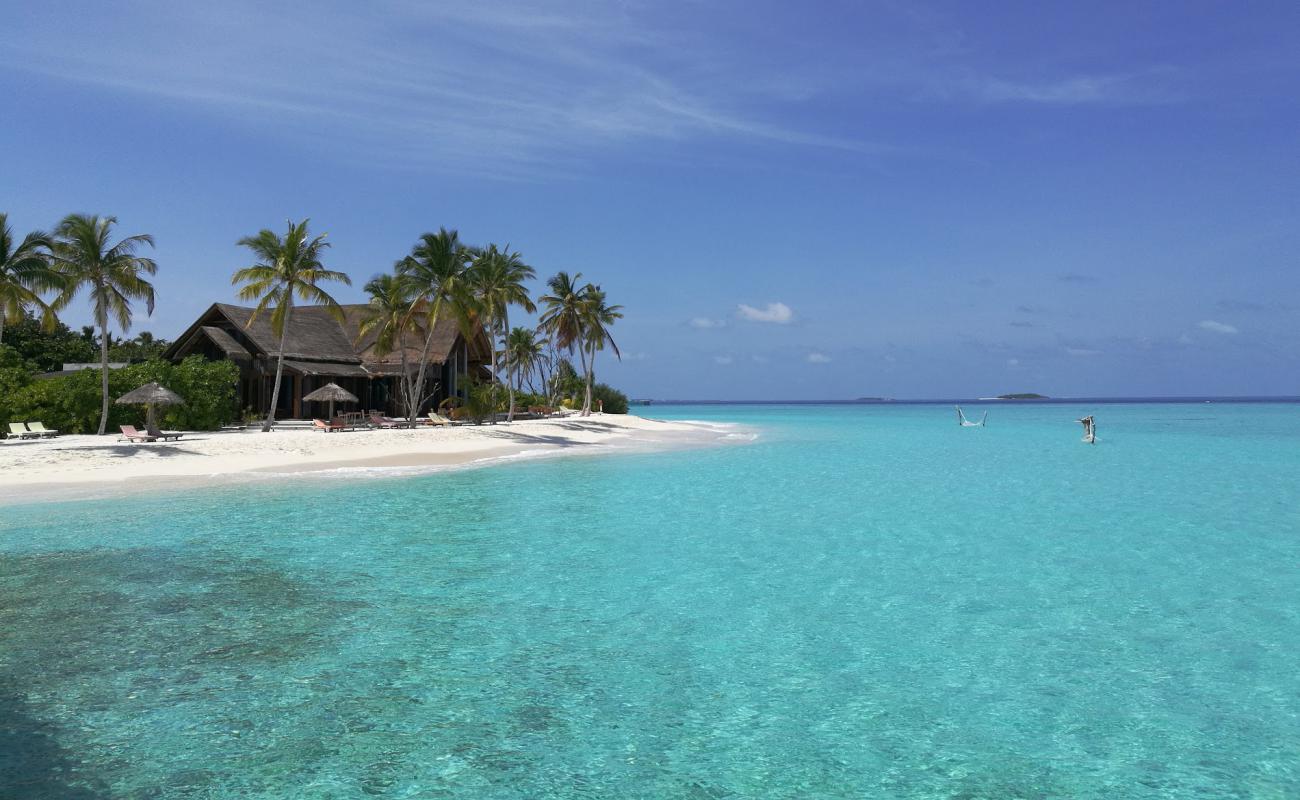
319	350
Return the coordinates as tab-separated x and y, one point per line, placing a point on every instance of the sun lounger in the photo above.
39	428
380	421
322	425
166	435
19	430
438	419
130	434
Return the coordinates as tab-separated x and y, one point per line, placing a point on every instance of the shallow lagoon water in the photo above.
866	601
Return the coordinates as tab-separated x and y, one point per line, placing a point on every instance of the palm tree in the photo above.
435	274
563	319
25	272
497	280
285	268
113	273
597	316
523	353
389	317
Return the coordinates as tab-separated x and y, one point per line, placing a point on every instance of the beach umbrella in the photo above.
329	393
150	395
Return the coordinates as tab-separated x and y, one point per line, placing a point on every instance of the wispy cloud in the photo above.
503	88
1216	327
778	313
1145	87
723	360
705	323
1074	277
1082	352
818	358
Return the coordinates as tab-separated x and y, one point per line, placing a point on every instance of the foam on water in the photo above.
862	602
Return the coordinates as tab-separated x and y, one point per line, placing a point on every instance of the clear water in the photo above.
867	602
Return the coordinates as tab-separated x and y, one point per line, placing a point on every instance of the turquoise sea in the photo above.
864	602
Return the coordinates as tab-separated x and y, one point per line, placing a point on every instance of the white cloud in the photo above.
1013	362
723	360
704	323
779	313
1216	327
1184	339
757	359
818	358
1082	351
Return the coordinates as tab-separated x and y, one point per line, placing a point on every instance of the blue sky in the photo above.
818	200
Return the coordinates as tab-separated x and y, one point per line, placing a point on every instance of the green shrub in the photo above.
71	403
612	400
483	399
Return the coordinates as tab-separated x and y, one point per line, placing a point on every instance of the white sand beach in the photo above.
72	466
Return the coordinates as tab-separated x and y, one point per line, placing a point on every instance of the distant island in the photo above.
1023	396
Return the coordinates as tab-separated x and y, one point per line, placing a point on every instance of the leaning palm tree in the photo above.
563	319
26	272
597	317
113	273
435	273
389	318
523	352
286	267
496	279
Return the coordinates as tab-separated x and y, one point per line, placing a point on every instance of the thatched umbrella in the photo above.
331	392
150	395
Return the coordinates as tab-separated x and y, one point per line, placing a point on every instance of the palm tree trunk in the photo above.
279	373
496	377
2	324
414	400
591	373
510	385
586	371
406	370
103	369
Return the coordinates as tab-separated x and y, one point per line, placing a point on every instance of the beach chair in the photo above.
380	421
438	419
167	435
130	434
19	430
39	428
322	425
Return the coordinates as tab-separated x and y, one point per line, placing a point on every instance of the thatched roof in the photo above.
151	393
331	392
225	342
314	335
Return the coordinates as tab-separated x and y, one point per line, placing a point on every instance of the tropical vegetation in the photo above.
441	278
85	257
287	267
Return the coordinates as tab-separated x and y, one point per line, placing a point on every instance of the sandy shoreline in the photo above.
71	467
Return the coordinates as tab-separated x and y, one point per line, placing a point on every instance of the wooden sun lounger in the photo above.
322	425
385	422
